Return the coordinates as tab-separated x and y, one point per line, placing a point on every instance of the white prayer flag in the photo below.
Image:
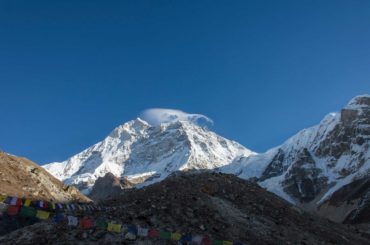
72	221
142	231
13	201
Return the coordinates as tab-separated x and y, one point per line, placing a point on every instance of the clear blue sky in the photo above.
71	71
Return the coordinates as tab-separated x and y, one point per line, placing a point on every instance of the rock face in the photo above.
350	204
220	206
310	166
147	154
22	178
109	186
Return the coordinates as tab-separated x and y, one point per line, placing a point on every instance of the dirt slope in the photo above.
22	178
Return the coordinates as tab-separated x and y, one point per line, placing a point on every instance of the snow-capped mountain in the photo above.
146	154
318	161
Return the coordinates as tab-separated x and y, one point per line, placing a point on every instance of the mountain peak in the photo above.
359	102
148	153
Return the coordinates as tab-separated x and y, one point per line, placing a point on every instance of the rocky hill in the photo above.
109	186
220	206
22	178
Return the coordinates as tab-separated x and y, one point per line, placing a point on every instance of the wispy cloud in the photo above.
156	116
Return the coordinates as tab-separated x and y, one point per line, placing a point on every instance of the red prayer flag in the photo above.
153	233
19	202
86	223
206	241
13	210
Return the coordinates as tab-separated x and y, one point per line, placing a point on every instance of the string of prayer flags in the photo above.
12	210
28	212
175	236
42	214
72	221
112	227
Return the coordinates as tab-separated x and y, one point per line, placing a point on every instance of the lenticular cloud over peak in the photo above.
156	116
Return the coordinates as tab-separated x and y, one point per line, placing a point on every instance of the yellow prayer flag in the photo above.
27	203
114	227
53	205
42	214
227	243
175	236
2	198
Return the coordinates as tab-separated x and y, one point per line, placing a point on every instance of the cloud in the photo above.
156	116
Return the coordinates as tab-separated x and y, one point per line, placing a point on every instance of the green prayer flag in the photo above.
101	224
28	212
165	235
217	242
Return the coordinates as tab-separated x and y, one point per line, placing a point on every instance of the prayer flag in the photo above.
58	218
154	233
86	223
72	221
3	208
132	229
114	227
42	214
217	242
186	238
143	232
41	204
206	241
13	210
227	243
2	198
165	235
28	212
197	239
101	224
13	201
27	203
7	200
175	236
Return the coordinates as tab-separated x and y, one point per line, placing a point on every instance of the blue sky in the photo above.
71	71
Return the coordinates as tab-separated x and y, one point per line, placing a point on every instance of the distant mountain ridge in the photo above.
305	170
